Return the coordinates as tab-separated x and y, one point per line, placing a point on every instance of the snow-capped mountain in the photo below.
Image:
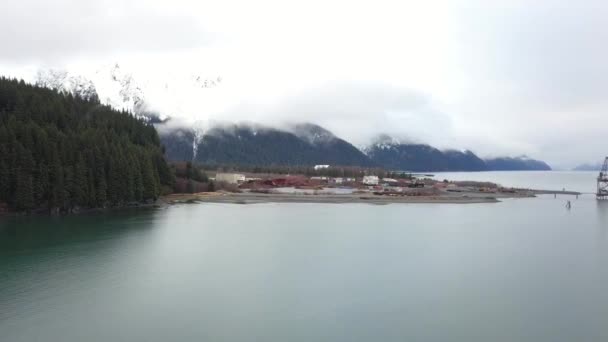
121	90
207	83
112	86
516	163
252	144
62	81
157	97
204	142
382	142
396	154
313	134
588	167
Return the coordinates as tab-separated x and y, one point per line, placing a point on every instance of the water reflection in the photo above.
45	259
602	220
519	270
602	210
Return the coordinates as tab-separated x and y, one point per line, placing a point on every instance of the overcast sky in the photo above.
497	77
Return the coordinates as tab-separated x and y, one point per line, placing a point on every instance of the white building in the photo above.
389	180
337	180
371	180
319	167
230	178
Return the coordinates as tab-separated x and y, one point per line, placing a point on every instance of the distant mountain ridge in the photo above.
310	144
392	154
240	144
115	86
589	167
516	164
251	144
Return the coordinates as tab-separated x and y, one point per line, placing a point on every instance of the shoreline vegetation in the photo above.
256	198
462	196
62	154
247	197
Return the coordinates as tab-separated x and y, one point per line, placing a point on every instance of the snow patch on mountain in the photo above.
311	133
62	81
381	142
155	98
120	90
200	129
207	83
113	87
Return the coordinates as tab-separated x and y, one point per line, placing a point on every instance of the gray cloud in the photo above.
56	31
549	52
359	111
500	77
537	76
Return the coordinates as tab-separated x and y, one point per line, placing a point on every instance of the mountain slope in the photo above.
516	164
588	167
115	86
309	144
304	144
300	144
394	155
112	86
63	82
329	147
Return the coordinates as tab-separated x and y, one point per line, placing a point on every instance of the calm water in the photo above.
520	270
582	181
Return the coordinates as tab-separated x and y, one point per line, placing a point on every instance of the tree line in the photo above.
59	152
190	178
310	171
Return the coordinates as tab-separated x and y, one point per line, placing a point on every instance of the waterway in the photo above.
520	270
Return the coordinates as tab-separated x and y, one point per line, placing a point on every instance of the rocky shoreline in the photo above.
369	198
465	197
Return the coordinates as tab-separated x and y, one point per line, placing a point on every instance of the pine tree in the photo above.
25	192
45	137
102	196
5	174
190	188
148	180
42	184
138	179
24	168
80	183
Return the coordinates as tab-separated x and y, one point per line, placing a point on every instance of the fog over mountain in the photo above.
497	78
588	167
277	143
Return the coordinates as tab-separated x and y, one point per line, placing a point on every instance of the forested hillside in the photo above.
420	157
308	144
246	145
516	164
59	152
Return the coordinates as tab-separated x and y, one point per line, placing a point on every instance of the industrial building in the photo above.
230	178
371	180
